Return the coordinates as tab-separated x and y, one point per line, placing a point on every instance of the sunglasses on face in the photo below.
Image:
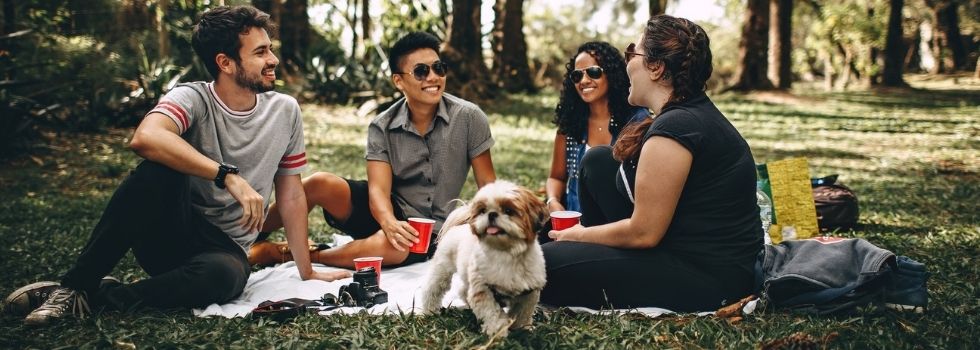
421	70
594	72
631	52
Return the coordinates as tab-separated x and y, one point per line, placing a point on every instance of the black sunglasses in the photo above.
421	70
631	52
594	72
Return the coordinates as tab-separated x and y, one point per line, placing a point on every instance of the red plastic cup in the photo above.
563	219
424	226
372	261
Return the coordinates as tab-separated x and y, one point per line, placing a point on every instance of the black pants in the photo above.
598	276
191	262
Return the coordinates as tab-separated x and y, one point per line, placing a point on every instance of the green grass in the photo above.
913	157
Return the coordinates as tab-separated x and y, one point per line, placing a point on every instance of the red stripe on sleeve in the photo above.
291	165
293	157
177	110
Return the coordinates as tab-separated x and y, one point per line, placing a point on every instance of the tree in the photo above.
948	24
9	17
163	36
510	65
753	48
294	31
658	7
366	28
468	75
780	43
894	50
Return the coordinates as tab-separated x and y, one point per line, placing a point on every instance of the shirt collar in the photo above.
401	116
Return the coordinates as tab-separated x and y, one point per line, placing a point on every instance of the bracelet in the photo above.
550	199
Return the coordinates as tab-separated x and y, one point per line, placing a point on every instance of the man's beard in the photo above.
254	84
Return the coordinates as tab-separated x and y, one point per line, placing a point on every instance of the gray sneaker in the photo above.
28	298
62	302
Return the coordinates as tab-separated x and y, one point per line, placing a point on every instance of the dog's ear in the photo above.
537	211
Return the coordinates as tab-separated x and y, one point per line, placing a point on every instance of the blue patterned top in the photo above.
575	149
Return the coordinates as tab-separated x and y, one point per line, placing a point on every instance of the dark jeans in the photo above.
191	262
598	276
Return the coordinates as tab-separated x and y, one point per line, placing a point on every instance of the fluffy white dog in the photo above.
492	243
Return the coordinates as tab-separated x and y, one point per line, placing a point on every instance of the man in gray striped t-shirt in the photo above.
213	153
419	152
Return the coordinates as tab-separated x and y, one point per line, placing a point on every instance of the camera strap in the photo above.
286	309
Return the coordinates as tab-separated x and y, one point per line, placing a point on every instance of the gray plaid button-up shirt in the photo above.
429	171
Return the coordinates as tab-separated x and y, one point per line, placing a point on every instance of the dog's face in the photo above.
506	216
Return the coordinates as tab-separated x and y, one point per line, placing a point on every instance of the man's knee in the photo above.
222	276
323	184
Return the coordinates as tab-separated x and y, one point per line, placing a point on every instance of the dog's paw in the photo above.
496	328
525	327
430	310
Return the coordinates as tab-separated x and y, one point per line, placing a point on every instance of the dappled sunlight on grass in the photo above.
911	155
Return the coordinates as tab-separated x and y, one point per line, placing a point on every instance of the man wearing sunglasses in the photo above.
419	152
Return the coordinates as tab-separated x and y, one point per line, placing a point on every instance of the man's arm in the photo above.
400	234
157	139
483	169
292	208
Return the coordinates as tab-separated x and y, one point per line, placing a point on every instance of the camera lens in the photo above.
366	277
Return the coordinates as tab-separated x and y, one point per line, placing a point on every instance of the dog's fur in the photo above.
492	243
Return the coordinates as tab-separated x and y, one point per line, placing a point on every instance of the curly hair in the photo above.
220	29
571	114
682	47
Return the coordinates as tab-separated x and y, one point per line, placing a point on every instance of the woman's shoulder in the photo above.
638	114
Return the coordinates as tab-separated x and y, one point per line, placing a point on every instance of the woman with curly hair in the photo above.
591	112
691	233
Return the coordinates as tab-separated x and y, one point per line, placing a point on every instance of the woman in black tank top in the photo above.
691	233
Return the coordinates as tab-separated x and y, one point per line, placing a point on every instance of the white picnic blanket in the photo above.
403	284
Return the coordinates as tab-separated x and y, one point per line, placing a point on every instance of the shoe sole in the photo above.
9	305
900	307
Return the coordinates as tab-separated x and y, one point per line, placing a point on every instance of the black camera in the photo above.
364	290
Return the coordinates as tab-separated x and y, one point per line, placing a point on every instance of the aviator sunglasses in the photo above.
594	72
421	70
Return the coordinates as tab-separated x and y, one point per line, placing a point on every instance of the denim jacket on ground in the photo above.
815	272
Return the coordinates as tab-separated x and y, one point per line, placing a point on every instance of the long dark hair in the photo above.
571	114
682	47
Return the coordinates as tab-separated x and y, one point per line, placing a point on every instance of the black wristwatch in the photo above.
223	171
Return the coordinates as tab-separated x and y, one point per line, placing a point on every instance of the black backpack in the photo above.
837	205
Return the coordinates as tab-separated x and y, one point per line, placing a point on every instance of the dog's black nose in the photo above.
492	216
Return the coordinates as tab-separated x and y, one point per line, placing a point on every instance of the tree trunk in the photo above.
366	29
510	65
894	50
468	77
780	43
658	7
163	36
294	34
753	48
9	17
948	24
274	9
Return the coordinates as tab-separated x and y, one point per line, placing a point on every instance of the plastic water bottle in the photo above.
765	213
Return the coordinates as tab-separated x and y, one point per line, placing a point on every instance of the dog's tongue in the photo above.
492	230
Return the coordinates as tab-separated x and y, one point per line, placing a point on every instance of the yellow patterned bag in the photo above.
787	182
